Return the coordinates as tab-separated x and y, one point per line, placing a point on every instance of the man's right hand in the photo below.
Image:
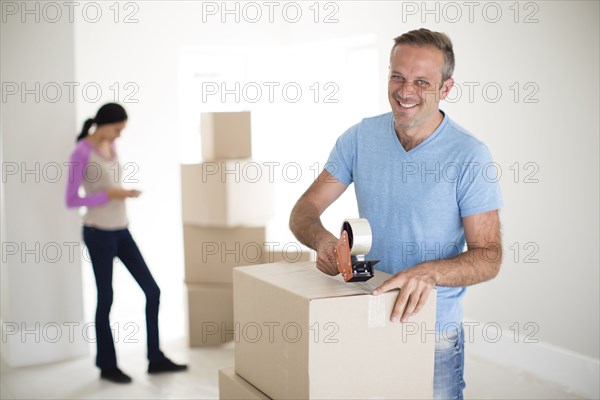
305	220
326	261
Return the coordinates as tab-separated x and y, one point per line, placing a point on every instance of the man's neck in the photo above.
413	136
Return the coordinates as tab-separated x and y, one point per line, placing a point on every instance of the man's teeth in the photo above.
407	105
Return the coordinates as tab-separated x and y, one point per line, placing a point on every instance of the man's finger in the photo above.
321	264
399	306
327	267
422	300
334	270
333	264
390	284
413	300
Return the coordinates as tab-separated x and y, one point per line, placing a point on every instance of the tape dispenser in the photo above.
355	242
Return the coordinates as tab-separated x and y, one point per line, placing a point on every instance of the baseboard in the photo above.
577	372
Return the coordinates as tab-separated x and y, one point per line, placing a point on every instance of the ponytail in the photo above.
86	128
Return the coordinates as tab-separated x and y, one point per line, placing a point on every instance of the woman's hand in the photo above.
120	193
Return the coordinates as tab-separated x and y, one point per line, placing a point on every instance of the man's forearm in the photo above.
305	224
468	268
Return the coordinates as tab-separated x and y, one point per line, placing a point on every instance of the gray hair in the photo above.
424	37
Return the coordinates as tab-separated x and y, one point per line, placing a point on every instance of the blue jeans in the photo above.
448	380
103	247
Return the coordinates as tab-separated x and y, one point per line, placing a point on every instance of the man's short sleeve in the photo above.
478	189
342	157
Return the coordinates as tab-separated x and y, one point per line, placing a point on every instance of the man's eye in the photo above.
396	77
421	82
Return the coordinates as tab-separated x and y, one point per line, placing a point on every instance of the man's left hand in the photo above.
415	284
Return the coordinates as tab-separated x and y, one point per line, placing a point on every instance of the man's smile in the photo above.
406	104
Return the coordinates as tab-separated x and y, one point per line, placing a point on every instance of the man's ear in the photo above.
446	87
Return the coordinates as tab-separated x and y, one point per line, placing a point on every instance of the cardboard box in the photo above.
301	334
226	193
210	314
225	135
234	387
212	253
280	255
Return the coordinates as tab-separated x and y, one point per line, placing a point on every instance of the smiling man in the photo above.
423	183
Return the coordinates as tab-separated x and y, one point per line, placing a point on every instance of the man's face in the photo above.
415	85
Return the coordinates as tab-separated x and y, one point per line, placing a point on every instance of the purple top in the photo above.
79	161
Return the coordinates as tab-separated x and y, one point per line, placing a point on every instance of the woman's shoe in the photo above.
115	375
165	365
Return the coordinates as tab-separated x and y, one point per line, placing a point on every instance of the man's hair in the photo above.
423	38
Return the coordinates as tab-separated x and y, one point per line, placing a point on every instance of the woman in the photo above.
94	165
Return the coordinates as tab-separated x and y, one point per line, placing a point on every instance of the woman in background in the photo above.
94	165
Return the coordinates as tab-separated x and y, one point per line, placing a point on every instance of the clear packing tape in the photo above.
359	233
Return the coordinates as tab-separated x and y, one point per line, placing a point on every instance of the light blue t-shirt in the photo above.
415	200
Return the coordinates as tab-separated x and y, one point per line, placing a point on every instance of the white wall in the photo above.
555	53
42	313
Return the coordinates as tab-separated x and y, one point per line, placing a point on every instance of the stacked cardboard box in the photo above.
234	387
226	202
300	334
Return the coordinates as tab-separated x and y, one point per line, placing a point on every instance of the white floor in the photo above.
78	379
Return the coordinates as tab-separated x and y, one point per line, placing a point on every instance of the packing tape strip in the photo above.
377	315
360	231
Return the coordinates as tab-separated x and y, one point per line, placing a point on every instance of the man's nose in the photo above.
407	90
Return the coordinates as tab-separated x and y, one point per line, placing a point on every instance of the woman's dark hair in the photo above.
107	114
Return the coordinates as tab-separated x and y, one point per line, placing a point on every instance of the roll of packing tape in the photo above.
359	235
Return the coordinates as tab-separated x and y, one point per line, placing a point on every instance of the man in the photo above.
422	182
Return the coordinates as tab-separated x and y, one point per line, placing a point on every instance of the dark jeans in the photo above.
103	247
